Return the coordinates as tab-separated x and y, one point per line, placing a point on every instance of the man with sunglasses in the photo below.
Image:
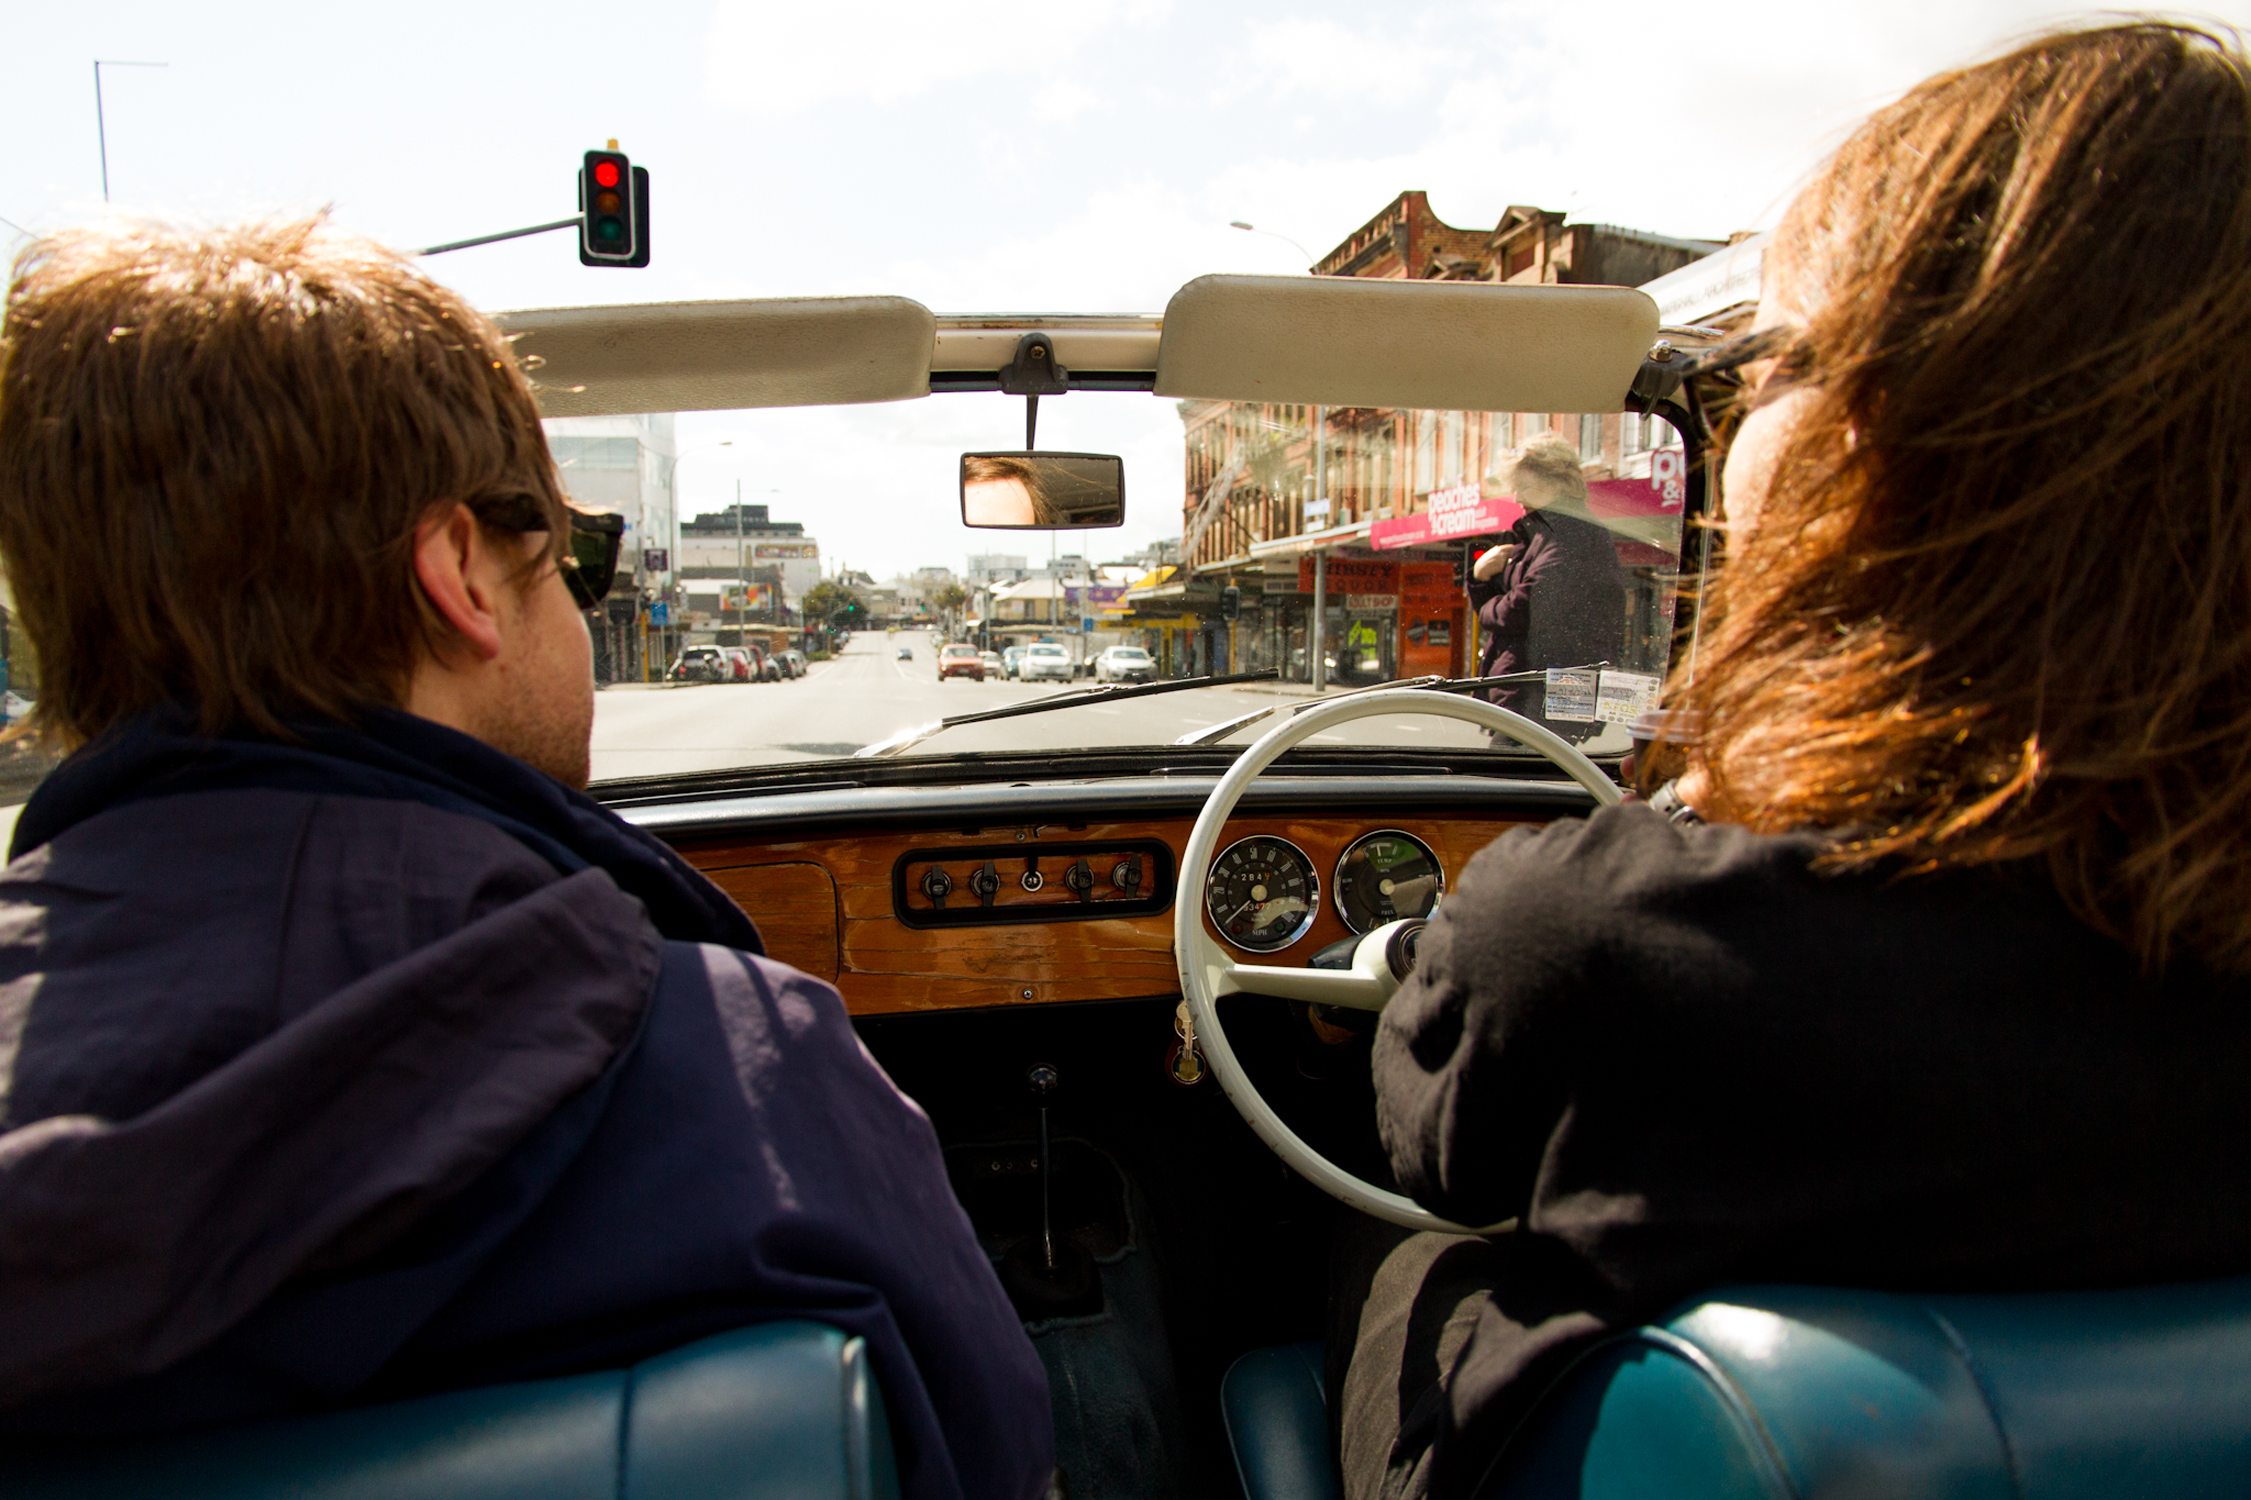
347	1049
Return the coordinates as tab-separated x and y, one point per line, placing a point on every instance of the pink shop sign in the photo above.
1453	513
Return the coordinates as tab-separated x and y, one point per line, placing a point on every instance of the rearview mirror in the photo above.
1058	491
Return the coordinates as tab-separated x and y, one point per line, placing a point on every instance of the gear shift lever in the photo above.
1047	1277
1044	1080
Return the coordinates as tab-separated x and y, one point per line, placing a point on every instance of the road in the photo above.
866	695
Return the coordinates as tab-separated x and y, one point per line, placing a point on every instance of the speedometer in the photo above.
1262	894
1386	876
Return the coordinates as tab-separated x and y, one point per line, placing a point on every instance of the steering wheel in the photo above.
1380	962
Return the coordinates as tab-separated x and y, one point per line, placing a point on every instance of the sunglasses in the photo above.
590	567
589	563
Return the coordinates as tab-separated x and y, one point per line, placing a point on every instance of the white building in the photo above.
733	561
622	465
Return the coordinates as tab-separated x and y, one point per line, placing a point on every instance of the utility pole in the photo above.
742	605
101	124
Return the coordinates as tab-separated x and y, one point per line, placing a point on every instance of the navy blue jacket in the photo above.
379	1064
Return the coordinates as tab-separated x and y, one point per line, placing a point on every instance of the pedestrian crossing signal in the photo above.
613	202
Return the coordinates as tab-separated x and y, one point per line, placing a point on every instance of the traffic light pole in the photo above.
507	234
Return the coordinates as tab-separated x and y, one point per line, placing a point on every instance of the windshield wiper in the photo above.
1220	731
907	739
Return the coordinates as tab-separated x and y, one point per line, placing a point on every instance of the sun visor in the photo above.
1432	345
716	356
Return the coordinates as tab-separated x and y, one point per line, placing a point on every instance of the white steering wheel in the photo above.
1206	972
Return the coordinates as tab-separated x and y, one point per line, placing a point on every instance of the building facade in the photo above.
742	570
1341	530
623	465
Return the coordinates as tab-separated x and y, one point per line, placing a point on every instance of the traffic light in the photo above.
1230	603
613	202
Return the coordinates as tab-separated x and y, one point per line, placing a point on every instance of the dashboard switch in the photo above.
985	883
937	885
1080	878
1126	876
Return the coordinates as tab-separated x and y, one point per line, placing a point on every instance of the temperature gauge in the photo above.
1386	876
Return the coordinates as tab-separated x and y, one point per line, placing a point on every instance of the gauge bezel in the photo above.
1312	905
1336	876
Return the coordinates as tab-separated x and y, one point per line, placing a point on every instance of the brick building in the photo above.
1280	496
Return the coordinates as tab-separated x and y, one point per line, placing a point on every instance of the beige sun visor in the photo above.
1434	345
1321	340
718	356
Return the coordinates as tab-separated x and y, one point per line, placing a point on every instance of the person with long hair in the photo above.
1931	966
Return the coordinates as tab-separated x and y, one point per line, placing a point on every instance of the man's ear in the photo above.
460	577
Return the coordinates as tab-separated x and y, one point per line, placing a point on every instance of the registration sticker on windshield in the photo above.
1624	697
1571	695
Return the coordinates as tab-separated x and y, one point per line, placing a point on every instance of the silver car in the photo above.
1045	662
1125	664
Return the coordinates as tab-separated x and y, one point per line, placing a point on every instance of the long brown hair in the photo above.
1996	605
214	449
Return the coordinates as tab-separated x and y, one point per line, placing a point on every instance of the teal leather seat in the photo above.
1796	1393
779	1410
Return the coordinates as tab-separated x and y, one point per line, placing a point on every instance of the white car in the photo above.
1125	664
1045	662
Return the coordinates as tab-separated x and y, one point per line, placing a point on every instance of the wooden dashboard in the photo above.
830	905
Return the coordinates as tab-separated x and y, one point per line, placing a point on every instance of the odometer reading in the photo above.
1386	876
1262	894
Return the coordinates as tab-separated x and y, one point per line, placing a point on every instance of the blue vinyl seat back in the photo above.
1794	1393
1803	1393
778	1410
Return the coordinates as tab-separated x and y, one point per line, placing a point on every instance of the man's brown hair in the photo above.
1996	605
215	447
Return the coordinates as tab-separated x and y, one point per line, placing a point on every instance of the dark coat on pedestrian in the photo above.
1559	601
379	1063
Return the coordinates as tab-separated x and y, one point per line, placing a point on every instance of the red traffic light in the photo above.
613	200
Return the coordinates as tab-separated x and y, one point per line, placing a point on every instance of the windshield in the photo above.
1333	550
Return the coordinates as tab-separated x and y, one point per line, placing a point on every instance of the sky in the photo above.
977	155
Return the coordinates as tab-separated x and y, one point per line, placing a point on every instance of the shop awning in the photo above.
1310	541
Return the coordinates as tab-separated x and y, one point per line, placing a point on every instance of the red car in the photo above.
960	661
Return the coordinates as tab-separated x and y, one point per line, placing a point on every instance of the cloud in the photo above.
1319	59
783	58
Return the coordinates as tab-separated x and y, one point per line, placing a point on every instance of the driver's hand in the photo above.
1492	562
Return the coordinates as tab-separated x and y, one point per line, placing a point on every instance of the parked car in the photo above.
960	660
994	667
700	664
1125	664
1045	663
741	665
1010	660
794	663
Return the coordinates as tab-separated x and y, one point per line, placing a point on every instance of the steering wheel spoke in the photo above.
1206	971
1349	988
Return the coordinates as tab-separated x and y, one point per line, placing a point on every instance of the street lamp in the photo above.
671	471
673	562
1310	257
